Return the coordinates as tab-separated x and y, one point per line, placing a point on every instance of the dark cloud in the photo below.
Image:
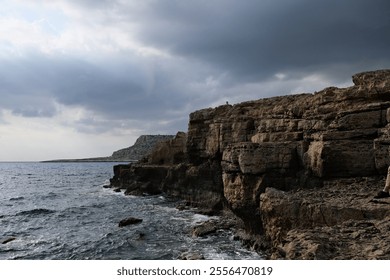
254	39
215	46
113	88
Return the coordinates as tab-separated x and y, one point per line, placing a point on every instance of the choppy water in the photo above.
61	211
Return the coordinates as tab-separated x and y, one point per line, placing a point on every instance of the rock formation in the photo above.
279	164
141	148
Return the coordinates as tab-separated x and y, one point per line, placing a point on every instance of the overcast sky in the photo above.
82	78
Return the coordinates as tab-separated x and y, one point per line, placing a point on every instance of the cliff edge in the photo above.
299	169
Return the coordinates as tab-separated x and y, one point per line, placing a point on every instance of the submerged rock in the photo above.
204	229
129	221
191	256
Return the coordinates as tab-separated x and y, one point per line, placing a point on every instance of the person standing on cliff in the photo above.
385	192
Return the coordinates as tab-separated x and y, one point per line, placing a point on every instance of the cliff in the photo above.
282	165
140	149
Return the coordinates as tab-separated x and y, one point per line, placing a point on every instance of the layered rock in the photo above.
294	141
338	221
232	154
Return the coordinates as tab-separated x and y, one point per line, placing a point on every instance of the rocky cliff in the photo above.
279	164
141	148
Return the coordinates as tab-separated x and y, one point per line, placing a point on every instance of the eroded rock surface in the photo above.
339	221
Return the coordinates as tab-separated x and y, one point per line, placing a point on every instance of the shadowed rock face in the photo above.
232	154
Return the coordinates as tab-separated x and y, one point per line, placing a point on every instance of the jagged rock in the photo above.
204	229
225	221
129	221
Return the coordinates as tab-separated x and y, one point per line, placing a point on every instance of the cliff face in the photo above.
294	141
232	154
167	169
141	148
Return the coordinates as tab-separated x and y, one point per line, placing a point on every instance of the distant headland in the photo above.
141	148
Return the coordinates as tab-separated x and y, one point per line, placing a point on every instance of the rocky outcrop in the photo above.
167	170
141	148
245	156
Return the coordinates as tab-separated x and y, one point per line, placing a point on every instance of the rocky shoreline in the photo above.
299	171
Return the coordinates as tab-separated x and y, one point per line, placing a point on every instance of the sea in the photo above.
60	211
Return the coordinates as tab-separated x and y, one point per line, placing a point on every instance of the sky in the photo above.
83	78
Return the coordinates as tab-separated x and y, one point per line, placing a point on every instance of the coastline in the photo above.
286	166
87	160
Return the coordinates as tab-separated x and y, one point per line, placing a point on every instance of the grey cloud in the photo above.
113	88
30	111
254	39
235	42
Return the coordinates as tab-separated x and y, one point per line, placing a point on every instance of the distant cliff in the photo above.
141	148
299	169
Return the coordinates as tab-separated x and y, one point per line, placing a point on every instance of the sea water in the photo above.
61	211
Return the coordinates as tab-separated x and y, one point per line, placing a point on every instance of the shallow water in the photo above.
62	211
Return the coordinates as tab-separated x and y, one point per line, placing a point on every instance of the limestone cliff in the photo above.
232	154
141	148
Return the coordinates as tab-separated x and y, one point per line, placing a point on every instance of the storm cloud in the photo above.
143	66
255	39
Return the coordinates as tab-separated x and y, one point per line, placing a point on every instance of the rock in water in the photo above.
129	221
7	240
191	256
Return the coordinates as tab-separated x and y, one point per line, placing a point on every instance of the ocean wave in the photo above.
16	198
35	212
